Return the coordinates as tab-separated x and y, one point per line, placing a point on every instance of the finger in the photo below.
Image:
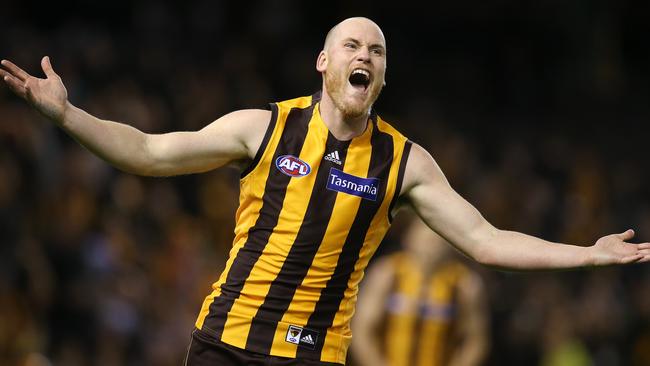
632	258
644	259
4	73
47	67
14	84
627	235
16	71
642	246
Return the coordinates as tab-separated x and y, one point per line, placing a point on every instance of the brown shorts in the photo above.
207	351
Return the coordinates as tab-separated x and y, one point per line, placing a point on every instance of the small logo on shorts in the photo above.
303	337
293	334
307	339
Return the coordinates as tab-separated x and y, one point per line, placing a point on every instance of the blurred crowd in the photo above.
532	111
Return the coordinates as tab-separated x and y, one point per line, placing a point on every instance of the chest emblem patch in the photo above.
292	166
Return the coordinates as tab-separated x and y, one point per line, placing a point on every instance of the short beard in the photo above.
335	88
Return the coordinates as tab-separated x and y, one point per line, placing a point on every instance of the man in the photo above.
321	176
421	306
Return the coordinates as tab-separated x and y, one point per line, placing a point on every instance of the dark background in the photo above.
536	112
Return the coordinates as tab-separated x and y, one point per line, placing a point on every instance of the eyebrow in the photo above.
372	46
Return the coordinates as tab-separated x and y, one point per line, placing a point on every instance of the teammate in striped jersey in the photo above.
307	227
421	306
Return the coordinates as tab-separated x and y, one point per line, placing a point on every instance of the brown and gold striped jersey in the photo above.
313	210
421	308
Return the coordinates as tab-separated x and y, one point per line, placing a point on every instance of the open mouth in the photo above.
360	78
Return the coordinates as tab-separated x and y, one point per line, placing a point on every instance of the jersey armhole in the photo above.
265	141
400	178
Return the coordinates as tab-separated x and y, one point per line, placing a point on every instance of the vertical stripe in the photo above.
300	257
330	299
292	140
346	205
400	178
274	254
339	335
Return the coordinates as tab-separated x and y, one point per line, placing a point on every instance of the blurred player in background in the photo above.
421	306
321	177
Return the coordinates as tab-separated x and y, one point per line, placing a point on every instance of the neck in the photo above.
342	127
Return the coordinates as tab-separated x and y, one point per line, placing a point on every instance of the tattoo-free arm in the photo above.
428	192
233	137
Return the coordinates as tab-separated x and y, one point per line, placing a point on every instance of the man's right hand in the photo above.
48	95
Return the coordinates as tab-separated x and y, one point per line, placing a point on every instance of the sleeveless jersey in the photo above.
418	328
312	211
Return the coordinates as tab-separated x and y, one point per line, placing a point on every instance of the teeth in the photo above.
360	77
361	71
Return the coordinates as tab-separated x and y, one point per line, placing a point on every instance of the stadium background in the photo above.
534	110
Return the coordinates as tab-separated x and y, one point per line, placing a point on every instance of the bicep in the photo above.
233	137
429	194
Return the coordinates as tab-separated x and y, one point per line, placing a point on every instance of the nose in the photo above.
363	55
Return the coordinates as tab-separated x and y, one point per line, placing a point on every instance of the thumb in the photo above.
47	67
627	235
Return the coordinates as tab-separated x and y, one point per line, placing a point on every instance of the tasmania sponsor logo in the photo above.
292	166
347	183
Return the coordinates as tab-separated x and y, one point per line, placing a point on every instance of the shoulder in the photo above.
243	129
420	169
387	127
298	102
258	117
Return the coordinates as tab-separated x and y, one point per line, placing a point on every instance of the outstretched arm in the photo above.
427	191
233	137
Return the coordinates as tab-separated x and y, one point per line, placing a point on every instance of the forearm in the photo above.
119	144
516	251
446	212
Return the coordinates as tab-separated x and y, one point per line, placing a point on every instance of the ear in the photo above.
321	61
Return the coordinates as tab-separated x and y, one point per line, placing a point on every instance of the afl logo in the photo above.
292	166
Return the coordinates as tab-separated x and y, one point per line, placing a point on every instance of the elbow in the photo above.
142	166
484	250
149	162
486	256
150	170
482	256
137	166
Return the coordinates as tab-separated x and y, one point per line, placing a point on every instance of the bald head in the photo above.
355	45
342	29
